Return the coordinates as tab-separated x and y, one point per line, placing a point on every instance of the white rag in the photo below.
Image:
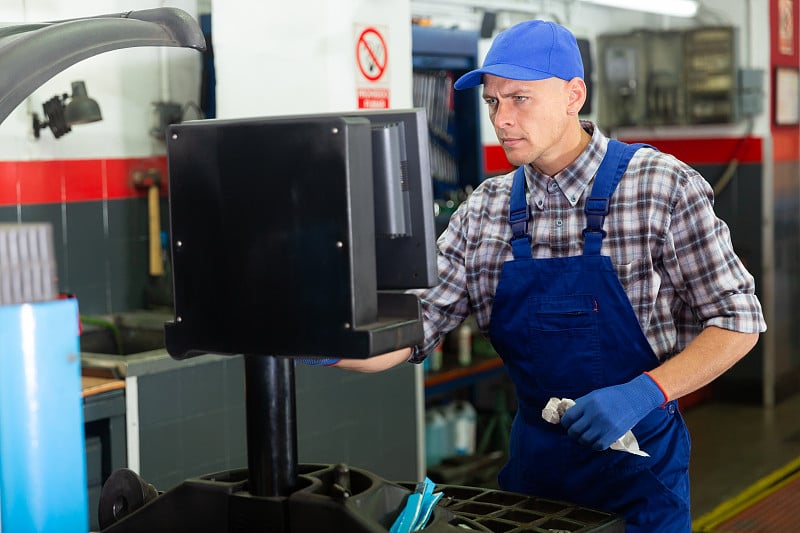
555	409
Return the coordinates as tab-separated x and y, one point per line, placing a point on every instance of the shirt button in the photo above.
671	408
540	202
559	223
573	199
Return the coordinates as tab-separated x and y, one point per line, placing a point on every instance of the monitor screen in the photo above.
405	230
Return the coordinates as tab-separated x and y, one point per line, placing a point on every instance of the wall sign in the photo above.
787	96
786	29
372	61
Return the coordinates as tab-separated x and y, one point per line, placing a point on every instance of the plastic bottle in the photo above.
435	436
465	428
436	357
464	345
450	413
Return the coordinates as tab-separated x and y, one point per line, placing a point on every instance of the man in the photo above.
598	279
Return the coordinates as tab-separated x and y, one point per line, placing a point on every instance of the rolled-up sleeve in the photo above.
705	269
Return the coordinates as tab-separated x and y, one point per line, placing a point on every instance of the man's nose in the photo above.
502	115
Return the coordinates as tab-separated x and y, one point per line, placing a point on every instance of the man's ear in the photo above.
576	94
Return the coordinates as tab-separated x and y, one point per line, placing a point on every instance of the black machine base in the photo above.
276	494
335	499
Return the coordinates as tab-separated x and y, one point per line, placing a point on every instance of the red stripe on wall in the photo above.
8	183
786	144
711	151
83	180
716	151
78	180
494	160
40	183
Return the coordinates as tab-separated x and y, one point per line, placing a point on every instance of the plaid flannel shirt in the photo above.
672	254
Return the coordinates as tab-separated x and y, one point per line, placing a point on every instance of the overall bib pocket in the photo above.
563	346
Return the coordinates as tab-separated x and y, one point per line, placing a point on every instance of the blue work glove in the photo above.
604	415
318	361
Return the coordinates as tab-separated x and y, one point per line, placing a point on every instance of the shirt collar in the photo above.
574	179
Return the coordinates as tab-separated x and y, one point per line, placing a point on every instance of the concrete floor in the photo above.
733	446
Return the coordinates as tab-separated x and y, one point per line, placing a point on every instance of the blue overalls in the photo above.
564	327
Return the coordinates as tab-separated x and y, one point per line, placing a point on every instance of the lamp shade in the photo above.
81	109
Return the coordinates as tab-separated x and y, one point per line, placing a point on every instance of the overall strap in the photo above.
614	164
519	217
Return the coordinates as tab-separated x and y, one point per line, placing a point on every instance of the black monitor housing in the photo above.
298	235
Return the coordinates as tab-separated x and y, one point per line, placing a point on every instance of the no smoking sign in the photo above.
371	54
372	59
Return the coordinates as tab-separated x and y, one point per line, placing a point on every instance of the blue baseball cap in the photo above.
530	50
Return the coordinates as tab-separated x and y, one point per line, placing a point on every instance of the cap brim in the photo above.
511	72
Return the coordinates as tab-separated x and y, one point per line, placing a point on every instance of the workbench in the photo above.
104	422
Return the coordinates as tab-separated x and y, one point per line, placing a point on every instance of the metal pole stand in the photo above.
271	425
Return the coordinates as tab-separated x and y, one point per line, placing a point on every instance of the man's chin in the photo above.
515	159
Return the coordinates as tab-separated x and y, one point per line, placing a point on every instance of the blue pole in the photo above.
42	451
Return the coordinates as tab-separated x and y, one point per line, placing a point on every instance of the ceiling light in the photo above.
675	8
